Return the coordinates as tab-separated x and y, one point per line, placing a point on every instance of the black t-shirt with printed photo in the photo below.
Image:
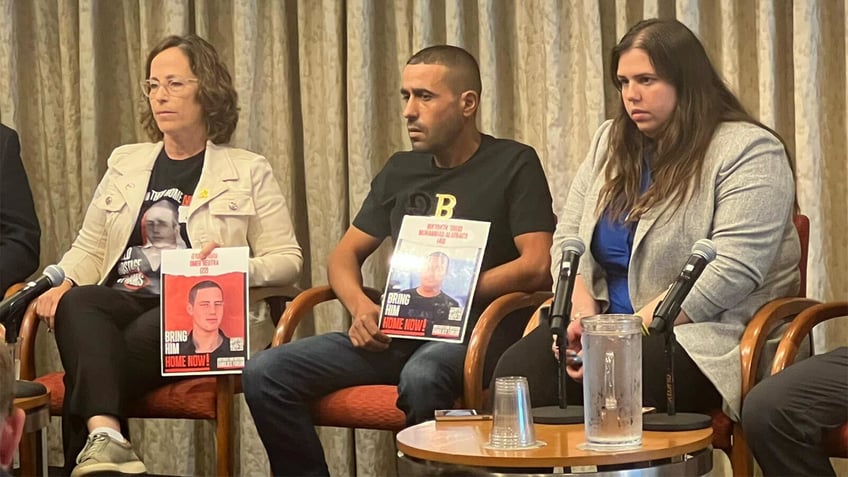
160	224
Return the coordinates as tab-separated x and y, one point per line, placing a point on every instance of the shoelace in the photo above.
95	444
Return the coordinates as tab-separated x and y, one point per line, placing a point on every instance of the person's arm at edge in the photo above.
20	232
528	272
647	312
277	257
754	196
344	272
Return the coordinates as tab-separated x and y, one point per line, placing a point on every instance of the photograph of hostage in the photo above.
206	308
161	232
139	268
427	300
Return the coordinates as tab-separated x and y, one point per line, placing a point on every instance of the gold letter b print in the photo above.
444	205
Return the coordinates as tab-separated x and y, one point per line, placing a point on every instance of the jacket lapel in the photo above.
218	171
134	178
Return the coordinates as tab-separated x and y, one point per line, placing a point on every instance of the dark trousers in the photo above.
279	384
532	357
785	415
109	344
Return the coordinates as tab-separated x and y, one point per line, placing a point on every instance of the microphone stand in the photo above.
12	322
671	420
563	413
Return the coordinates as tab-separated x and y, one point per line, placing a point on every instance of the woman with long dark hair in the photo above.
681	161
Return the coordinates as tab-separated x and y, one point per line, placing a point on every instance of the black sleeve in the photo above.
529	197
19	229
374	216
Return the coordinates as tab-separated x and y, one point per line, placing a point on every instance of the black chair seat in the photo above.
25	389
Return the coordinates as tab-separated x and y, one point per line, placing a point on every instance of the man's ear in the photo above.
189	309
10	436
470	101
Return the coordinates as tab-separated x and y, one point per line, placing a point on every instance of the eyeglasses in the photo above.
175	86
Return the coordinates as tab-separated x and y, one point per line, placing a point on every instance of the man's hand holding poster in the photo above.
204	311
432	278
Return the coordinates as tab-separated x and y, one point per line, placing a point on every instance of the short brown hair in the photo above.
216	93
464	70
192	294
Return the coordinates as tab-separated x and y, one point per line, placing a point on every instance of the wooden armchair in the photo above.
373	406
192	398
835	441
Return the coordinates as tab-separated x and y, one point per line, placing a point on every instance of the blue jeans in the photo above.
279	384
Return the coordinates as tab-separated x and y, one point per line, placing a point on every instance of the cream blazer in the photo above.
237	202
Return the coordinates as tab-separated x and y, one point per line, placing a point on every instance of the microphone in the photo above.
572	249
559	313
51	277
703	252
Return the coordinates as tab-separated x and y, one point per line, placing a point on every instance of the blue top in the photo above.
612	244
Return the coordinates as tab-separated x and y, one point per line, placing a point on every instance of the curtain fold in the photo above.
318	83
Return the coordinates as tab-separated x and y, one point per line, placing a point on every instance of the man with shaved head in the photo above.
453	171
463	72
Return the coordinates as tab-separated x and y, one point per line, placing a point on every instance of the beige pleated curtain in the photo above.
318	84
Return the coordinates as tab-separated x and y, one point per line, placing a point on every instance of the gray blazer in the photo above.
744	204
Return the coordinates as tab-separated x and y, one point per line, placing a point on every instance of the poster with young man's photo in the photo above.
432	278
204	312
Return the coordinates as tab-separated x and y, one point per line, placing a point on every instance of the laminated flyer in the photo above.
204	327
432	278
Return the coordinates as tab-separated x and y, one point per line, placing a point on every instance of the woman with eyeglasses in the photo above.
187	190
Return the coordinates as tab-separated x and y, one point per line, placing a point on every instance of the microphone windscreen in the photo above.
55	274
572	243
705	248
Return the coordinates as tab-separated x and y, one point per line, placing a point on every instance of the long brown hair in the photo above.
678	150
216	93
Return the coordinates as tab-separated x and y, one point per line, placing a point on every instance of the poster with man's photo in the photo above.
204	327
432	278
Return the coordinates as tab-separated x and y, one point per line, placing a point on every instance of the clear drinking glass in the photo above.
512	421
612	381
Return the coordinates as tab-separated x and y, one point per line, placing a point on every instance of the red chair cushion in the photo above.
53	382
363	407
192	398
836	442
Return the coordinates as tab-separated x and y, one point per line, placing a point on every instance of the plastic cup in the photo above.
512	421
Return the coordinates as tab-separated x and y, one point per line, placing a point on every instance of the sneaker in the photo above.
104	454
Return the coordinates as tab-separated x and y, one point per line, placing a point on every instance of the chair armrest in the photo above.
26	335
303	304
475	356
767	318
13	289
800	327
